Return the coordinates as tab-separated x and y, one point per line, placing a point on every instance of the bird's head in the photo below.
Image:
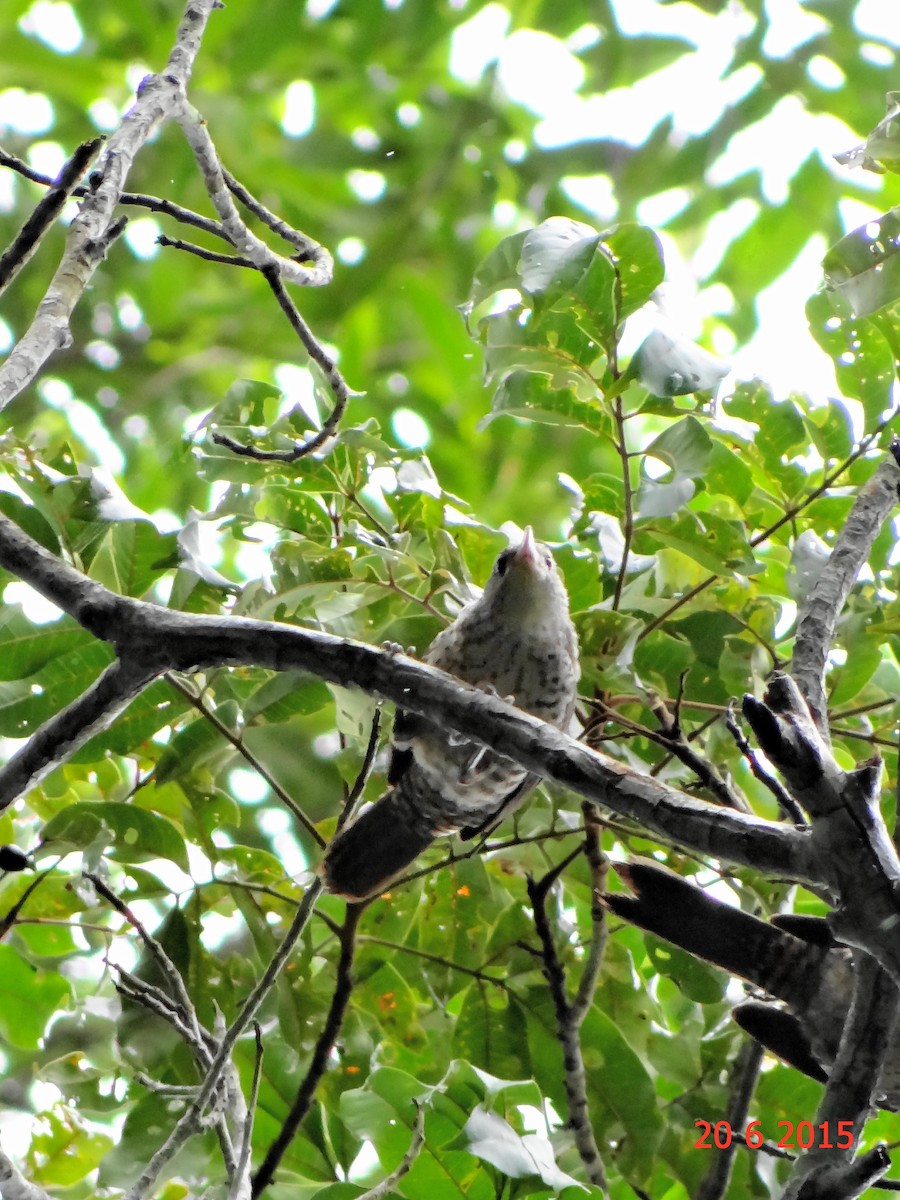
526	584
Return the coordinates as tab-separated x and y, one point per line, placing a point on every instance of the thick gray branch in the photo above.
154	639
818	618
93	711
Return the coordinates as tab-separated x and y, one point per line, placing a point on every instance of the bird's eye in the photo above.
548	560
503	561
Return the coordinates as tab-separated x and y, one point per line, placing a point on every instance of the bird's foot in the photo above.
396	648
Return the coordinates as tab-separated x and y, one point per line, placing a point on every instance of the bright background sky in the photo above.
695	90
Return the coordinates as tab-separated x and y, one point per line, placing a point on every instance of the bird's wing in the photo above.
407	727
507	805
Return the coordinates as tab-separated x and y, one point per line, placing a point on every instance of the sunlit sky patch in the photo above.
692	92
55	23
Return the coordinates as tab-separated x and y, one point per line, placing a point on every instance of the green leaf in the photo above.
64	1149
25	648
555	257
863	360
523	394
497	272
28	999
155	708
131	834
633	1100
686	448
864	266
131	557
639	265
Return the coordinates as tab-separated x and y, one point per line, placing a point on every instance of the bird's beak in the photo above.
527	550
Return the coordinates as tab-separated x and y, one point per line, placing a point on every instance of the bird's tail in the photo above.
379	844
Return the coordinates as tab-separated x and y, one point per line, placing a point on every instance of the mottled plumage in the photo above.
517	638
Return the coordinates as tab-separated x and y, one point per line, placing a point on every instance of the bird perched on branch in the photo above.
517	641
792	958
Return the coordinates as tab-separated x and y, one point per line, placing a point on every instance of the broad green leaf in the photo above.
608	1056
155	708
526	394
639	265
499	271
131	557
25	647
28	999
64	1149
863	360
131	834
555	257
864	266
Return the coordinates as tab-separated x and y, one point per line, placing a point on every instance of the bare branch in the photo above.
851	842
599	864
191	1121
672	736
575	1079
247	244
156	204
45	213
326	364
164	964
306	248
786	801
242	1183
90	713
343	987
362	777
831	1170
818	618
87	239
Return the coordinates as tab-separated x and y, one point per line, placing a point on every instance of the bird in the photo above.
517	641
793	958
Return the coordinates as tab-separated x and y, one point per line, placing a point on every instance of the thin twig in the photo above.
164	964
786	801
307	250
599	865
343	987
240	1184
326	364
362	778
213	256
672	734
238	744
190	1122
627	501
154	204
402	1168
45	212
575	1079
